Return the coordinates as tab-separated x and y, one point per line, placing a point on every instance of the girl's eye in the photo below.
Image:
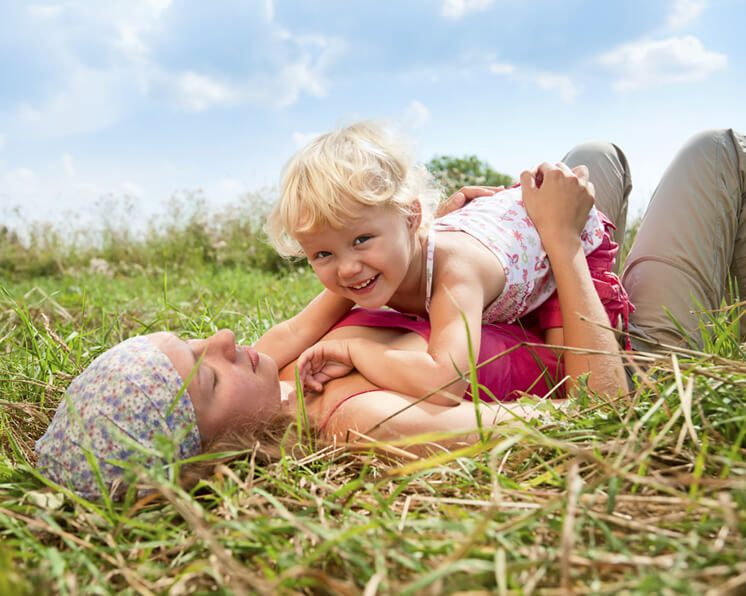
361	239
321	254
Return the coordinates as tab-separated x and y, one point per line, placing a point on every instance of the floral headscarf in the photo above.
126	397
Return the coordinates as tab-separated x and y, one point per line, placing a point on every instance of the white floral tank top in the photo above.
500	223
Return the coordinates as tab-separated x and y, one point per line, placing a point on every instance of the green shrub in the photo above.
453	173
188	234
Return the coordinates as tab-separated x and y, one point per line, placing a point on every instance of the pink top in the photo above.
526	369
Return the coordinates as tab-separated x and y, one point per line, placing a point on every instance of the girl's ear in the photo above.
414	219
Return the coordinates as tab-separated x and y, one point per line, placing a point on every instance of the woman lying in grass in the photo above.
236	397
134	392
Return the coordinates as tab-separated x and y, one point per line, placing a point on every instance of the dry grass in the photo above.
643	493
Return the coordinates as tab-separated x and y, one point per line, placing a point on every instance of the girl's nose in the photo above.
349	268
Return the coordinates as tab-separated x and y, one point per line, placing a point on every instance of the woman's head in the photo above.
231	386
330	178
136	391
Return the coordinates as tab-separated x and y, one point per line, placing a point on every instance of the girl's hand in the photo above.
323	362
557	200
463	196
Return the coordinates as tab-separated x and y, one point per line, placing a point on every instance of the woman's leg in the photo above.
611	178
691	238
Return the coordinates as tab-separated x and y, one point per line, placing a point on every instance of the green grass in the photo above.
613	497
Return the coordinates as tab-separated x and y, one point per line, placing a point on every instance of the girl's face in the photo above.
232	385
368	259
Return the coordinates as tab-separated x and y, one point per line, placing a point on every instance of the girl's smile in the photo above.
367	285
367	260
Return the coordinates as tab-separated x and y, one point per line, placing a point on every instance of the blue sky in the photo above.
147	98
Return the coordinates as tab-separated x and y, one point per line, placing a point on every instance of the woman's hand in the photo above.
558	201
463	196
323	362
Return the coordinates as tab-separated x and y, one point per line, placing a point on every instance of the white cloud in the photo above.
298	77
684	12
67	165
90	94
308	72
198	92
230	186
269	10
560	83
44	11
19	182
91	100
133	20
133	190
158	6
279	88
416	114
305	74
301	139
456	9
501	68
91	190
674	60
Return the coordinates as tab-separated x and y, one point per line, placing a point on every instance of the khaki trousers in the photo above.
692	239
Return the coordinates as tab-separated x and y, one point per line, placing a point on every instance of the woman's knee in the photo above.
596	155
692	237
611	177
722	151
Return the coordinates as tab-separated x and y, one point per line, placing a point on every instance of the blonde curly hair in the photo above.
323	184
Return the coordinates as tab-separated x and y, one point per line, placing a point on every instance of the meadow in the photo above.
644	493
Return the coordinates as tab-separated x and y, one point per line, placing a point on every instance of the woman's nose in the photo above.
223	342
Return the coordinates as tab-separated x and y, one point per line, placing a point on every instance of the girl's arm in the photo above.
559	208
286	341
417	373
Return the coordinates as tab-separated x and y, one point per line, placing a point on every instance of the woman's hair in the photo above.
267	443
116	410
325	182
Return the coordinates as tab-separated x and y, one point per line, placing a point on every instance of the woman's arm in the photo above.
386	415
286	340
559	206
463	196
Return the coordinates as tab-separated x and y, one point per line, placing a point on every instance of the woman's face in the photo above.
232	385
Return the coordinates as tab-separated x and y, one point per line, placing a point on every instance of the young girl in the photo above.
355	204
